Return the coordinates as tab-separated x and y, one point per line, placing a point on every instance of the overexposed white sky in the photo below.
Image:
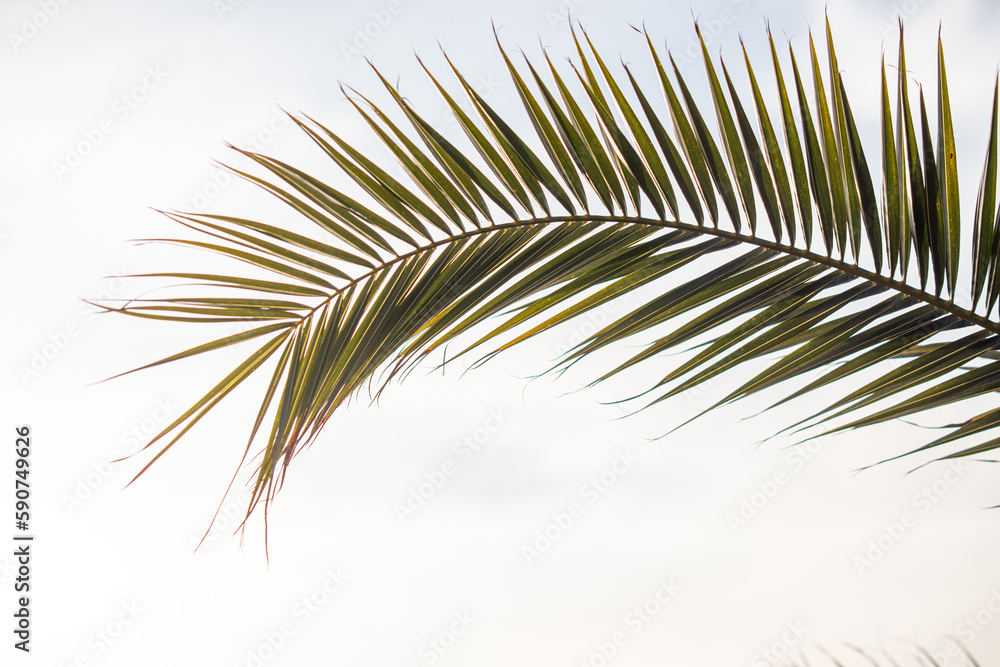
116	108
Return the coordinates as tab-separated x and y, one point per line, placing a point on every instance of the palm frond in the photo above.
494	242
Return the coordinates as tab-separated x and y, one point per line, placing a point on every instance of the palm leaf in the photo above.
494	242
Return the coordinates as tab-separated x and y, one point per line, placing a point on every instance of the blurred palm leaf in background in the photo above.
914	654
759	222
